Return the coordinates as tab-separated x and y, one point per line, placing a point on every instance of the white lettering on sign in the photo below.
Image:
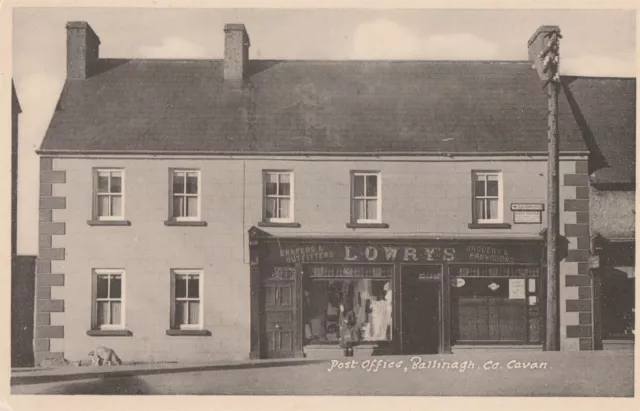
410	252
371	253
305	254
429	253
527	207
527	217
449	254
347	254
488	254
390	253
283	273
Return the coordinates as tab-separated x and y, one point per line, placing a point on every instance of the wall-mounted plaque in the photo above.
527	207
516	288
458	282
527	217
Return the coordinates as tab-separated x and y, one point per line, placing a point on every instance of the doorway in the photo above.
278	318
421	310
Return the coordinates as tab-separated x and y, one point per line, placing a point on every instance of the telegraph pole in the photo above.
550	68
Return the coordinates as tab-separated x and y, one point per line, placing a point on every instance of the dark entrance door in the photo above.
279	316
420	310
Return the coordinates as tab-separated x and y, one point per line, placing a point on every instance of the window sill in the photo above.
173	223
202	333
109	222
489	225
367	225
276	224
109	333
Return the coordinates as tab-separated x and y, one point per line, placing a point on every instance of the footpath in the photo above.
571	362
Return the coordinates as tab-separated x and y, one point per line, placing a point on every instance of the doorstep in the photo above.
468	348
333	351
615	345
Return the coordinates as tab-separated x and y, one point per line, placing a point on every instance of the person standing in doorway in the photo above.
348	331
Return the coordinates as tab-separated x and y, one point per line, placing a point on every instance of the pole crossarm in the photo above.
550	58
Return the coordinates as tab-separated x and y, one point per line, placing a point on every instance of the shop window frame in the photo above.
307	270
537	294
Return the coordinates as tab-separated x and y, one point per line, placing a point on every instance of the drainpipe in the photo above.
594	269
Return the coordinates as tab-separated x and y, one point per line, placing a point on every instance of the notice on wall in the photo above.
283	273
527	217
516	288
527	207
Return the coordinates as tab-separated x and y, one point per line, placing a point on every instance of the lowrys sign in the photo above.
393	254
306	253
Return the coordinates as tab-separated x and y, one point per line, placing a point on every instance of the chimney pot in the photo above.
82	50
236	52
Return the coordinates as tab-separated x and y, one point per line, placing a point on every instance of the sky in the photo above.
595	43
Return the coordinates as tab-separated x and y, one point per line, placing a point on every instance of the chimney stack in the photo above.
82	50
236	52
542	54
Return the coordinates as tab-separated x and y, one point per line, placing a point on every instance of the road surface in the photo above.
589	374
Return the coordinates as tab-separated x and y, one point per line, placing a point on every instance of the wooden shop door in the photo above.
421	314
279	318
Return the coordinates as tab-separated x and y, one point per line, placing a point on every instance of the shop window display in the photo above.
617	290
495	304
347	311
618	302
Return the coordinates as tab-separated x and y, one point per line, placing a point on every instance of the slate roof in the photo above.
359	107
605	111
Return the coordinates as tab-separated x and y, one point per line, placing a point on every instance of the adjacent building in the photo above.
210	209
610	135
22	266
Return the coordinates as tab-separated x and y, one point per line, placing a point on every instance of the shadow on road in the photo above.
103	386
116	373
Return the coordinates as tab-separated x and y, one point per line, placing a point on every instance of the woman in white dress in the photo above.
378	320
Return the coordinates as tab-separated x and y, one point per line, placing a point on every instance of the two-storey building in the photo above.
22	266
204	209
610	135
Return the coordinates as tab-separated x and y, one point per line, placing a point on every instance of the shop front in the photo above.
615	291
388	296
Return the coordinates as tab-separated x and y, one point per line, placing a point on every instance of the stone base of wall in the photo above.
617	345
23	270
